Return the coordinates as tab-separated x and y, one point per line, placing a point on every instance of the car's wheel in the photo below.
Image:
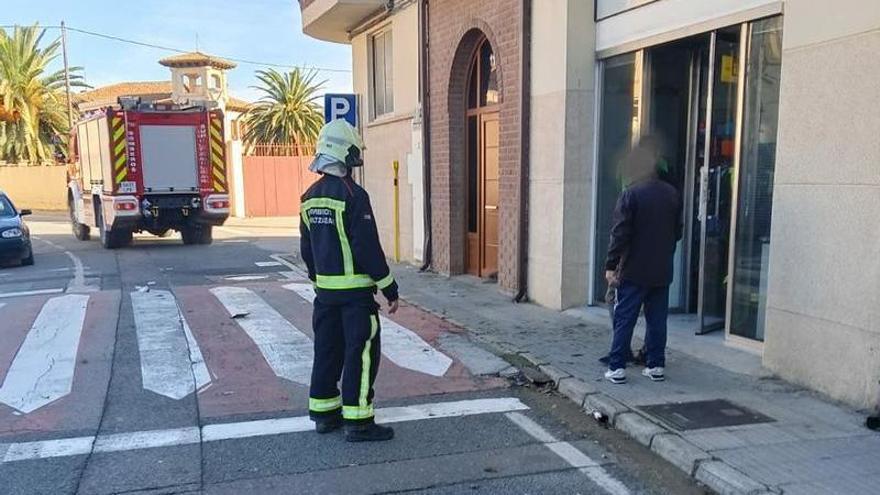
80	231
29	260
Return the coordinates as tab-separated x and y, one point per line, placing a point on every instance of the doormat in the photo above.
702	414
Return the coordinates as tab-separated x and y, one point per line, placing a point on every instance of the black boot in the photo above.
369	432
328	424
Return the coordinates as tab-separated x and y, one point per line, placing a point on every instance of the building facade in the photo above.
517	112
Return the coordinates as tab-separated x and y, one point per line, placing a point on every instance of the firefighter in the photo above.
346	264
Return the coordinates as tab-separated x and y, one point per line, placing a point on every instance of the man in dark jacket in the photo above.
340	245
647	226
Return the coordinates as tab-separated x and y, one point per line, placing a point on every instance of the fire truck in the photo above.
139	167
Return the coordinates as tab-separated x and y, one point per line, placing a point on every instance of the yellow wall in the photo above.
394	137
36	188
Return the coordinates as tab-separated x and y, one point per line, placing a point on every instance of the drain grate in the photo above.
697	415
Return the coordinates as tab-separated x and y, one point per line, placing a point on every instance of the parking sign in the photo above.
340	106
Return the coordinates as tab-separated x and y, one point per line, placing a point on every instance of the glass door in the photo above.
716	177
752	217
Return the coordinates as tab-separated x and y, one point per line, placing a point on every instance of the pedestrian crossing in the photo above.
43	368
288	350
171	362
399	344
237	348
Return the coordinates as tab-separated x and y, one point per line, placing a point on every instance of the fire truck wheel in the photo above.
80	231
113	239
207	235
197	234
190	234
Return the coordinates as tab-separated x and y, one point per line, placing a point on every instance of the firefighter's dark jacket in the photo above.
340	243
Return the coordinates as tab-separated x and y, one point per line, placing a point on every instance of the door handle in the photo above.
704	194
490	207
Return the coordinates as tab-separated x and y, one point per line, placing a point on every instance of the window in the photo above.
215	82
235	129
382	74
6	209
191	82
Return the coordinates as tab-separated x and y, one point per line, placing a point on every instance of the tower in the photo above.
198	77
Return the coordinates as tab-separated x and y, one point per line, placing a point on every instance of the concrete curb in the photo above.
719	476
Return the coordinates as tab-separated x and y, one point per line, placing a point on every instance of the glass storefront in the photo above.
621	91
757	164
712	99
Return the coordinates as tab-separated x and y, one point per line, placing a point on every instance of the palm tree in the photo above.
34	125
287	113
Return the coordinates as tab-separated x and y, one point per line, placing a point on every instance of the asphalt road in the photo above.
163	368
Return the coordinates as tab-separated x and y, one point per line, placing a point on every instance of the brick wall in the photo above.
455	28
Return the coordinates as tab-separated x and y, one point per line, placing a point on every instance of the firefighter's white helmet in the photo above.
340	141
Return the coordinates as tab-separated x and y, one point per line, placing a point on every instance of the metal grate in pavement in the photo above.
702	414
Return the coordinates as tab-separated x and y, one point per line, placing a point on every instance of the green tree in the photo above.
287	113
33	99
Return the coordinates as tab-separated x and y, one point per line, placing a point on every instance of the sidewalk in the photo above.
291	224
807	446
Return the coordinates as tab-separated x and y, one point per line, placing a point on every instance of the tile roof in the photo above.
107	95
149	91
197	59
237	105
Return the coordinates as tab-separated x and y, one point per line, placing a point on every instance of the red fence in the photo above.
274	179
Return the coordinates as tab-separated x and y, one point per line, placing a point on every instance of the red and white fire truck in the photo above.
140	167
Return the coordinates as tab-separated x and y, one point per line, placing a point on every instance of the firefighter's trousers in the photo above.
346	346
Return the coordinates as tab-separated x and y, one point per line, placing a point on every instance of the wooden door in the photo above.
482	204
489	141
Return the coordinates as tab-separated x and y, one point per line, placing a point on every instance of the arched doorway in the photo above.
483	104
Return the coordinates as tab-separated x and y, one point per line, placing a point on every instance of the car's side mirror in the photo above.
25	212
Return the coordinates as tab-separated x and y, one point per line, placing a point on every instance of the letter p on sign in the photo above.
340	106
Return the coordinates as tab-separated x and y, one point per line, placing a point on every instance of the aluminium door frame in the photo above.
704	185
744	50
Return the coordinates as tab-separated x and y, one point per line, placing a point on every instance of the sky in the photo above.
268	31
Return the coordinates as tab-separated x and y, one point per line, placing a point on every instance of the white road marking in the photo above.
236	241
399	344
286	348
388	415
199	369
121	442
78	284
43	368
171	362
4	295
238	232
570	454
48	449
295	270
245	278
305	291
264	264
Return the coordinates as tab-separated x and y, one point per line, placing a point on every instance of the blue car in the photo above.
15	238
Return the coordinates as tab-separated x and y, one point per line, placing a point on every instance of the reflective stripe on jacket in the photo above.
339	240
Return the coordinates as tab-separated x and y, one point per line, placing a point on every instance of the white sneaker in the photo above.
655	374
617	376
